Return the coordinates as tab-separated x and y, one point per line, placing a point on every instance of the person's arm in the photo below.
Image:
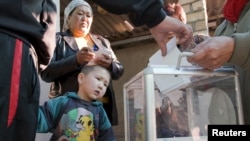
150	13
169	25
213	52
240	54
105	129
43	123
117	69
60	64
217	51
49	114
58	68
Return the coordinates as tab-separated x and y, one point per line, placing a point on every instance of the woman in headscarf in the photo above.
77	47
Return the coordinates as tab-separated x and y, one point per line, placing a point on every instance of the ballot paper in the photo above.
171	58
167	83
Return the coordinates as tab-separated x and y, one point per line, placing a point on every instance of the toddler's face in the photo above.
93	85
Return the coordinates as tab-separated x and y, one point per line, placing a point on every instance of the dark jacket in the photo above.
27	37
63	69
38	28
149	12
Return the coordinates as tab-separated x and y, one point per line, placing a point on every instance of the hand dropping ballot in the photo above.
170	60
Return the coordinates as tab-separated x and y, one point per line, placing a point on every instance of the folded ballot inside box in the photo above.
170	60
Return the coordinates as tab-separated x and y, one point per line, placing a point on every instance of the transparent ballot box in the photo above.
163	103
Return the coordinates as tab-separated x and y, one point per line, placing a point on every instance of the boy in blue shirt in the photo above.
79	116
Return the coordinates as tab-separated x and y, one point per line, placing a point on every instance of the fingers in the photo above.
212	53
204	59
163	48
186	37
106	56
161	31
84	55
104	59
103	62
86	50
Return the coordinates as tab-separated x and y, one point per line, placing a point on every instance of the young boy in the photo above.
79	116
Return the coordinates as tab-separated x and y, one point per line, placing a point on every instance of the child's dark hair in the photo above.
88	68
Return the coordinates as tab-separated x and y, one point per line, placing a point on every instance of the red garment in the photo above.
233	8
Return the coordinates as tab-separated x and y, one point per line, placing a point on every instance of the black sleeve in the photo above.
60	64
149	12
17	19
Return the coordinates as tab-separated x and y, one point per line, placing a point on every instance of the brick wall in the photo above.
196	15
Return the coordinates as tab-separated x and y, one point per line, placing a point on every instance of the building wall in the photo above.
196	15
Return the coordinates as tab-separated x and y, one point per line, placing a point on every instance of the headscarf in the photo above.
233	8
70	7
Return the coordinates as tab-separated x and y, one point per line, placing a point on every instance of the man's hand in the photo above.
213	52
161	31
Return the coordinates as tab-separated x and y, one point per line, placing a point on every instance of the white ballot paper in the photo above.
171	58
167	83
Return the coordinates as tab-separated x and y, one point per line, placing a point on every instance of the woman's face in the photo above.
80	20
